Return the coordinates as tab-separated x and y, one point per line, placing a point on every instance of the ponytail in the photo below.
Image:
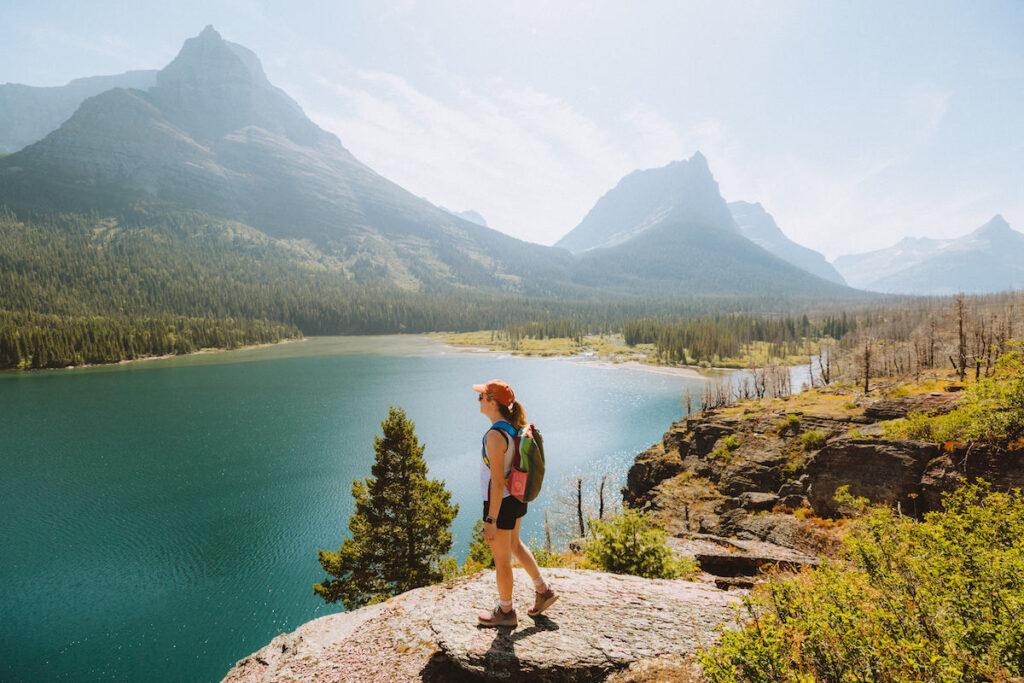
516	416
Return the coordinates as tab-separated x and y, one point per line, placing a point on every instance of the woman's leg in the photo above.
501	548
523	554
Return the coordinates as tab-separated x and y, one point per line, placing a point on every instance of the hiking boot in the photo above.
542	602
498	617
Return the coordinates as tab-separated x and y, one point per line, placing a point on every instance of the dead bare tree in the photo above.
867	364
960	363
688	401
579	506
547	532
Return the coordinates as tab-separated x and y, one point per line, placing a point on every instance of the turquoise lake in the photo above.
161	520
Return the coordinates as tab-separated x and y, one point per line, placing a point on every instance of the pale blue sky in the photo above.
853	123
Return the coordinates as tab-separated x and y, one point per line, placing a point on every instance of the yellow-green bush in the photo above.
812	440
726	447
936	600
632	543
790	421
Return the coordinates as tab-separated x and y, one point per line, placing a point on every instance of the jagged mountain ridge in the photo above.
989	259
760	227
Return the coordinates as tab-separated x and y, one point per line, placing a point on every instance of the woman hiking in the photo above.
502	511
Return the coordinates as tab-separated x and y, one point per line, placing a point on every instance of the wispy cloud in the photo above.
533	164
529	161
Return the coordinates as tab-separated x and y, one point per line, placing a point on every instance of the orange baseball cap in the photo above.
499	389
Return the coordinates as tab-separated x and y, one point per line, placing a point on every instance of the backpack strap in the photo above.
505	429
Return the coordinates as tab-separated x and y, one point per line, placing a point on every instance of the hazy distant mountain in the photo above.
669	230
682	191
214	134
470	215
758	226
29	113
990	259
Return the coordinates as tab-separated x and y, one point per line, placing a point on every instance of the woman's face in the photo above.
485	403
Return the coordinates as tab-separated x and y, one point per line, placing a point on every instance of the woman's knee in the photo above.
519	548
501	544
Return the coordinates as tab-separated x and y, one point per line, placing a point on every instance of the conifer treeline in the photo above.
721	336
88	288
39	340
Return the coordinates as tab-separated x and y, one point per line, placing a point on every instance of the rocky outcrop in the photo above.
753	460
885	471
650	468
602	623
891	409
1001	467
735	557
736	475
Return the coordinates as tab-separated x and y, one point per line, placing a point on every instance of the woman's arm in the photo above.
496	445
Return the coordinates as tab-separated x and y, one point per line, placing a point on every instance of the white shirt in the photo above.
485	470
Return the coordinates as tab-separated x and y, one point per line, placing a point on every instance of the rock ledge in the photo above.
602	623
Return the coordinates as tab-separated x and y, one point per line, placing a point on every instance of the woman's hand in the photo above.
490	532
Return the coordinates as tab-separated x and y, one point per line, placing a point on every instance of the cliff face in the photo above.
603	624
725	484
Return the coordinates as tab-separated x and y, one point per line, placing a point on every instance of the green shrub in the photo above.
915	425
812	440
789	422
936	600
548	558
726	447
479	556
631	543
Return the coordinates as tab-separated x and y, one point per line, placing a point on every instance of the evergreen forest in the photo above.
89	287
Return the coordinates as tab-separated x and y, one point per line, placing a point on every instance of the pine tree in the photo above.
400	527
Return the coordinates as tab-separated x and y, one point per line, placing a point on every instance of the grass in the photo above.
609	347
837	400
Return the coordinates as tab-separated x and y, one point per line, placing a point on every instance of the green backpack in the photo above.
527	475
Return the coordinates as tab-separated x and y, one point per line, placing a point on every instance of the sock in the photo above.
506	605
539	584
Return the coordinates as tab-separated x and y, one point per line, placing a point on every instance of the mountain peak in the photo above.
215	88
995	227
683	192
209	60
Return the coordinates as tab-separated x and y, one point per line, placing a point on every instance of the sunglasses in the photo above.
481	397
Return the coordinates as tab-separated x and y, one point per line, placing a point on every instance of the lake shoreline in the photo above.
598	362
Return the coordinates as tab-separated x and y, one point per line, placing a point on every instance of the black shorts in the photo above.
511	509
